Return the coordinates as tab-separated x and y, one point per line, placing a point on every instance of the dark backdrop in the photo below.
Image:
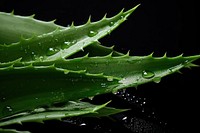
157	26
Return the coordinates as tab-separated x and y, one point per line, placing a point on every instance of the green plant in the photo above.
42	64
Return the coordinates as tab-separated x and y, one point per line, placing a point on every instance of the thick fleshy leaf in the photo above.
15	27
12	131
78	78
71	109
52	64
62	43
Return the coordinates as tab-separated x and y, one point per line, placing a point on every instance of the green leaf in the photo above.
72	79
71	109
61	43
15	27
42	64
12	131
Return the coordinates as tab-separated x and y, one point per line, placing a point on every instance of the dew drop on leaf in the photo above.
52	51
7	110
157	79
147	74
110	78
103	85
74	41
92	33
111	23
67	43
41	57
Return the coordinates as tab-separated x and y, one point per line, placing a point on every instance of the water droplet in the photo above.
124	118
40	58
142	110
74	41
83	124
157	79
7	109
111	23
92	33
52	51
110	78
2	99
67	43
147	74
103	85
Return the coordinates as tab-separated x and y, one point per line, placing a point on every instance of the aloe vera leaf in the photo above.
15	27
105	112
70	110
12	131
99	50
124	66
62	43
84	77
45	85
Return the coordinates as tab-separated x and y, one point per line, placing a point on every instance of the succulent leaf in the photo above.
61	43
43	64
71	109
12	131
78	78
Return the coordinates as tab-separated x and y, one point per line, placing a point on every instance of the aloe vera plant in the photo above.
42	64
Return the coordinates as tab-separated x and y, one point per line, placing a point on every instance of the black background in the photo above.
157	26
